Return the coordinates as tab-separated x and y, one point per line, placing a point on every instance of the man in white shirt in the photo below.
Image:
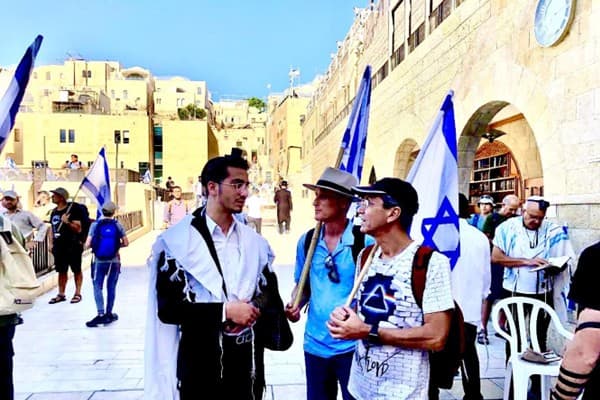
395	335
25	221
253	205
211	351
471	279
523	243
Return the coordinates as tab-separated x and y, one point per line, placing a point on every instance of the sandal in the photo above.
57	299
76	299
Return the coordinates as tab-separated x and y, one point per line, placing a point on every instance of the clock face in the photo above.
552	20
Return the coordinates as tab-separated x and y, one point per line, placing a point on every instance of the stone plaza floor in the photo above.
58	357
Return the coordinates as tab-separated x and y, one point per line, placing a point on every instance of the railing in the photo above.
131	220
43	261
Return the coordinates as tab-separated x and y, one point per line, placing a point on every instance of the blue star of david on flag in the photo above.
443	225
434	175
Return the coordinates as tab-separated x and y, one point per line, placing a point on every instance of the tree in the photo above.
256	102
191	112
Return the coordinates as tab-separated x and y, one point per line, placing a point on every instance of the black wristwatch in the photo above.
374	335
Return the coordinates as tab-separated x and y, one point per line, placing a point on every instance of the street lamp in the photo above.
117	142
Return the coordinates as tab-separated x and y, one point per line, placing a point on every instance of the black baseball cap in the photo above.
400	192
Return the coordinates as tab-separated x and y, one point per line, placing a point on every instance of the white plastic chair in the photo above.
519	369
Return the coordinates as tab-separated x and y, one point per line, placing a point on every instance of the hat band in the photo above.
332	185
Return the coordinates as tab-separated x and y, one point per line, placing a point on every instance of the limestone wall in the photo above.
486	52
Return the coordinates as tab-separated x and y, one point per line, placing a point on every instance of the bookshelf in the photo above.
495	175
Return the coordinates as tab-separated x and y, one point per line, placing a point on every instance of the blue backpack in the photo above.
106	239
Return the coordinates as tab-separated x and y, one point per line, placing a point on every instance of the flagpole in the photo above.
357	124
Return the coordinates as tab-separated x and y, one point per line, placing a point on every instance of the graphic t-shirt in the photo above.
385	296
65	235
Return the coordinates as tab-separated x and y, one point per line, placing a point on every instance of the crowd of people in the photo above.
369	331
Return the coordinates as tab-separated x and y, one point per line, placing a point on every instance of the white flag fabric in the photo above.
11	99
147	177
97	181
434	175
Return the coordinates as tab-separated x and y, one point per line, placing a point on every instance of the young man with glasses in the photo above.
525	242
205	273
331	278
394	333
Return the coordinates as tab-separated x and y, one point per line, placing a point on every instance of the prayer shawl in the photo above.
551	240
185	244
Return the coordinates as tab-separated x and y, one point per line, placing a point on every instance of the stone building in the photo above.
527	104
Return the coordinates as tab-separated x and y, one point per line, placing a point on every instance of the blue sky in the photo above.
237	46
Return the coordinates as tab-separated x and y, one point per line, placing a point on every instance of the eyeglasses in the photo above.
237	185
332	273
388	202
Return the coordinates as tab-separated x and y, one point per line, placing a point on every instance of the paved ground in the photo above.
58	357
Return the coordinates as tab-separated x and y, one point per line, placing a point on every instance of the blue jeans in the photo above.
100	270
323	375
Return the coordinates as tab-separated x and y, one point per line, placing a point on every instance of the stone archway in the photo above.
495	129
405	157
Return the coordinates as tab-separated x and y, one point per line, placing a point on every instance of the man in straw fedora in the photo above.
395	334
331	278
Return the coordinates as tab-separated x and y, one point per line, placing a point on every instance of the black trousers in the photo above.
470	366
232	379
6	362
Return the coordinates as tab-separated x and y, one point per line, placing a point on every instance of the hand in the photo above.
537	262
65	218
292	313
344	323
241	313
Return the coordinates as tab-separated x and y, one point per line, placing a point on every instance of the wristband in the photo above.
374	334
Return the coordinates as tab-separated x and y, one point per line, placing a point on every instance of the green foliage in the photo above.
256	102
191	112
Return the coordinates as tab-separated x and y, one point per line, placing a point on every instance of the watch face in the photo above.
552	20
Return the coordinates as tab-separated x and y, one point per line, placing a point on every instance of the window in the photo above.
46	92
63	136
48	75
71	135
125	137
158	100
125	94
417	37
86	73
35	75
199	90
238	144
112	94
17	135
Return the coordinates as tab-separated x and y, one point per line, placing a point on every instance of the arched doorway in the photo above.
406	154
498	154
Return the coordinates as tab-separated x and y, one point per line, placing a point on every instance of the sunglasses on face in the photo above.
332	273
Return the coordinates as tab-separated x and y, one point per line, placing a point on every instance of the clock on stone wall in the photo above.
552	20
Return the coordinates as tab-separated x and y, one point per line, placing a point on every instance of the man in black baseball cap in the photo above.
388	313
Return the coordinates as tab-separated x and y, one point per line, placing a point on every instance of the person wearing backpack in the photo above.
330	281
105	238
404	302
69	222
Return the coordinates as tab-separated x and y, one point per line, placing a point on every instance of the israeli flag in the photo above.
354	140
11	164
435	177
147	178
97	181
11	100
